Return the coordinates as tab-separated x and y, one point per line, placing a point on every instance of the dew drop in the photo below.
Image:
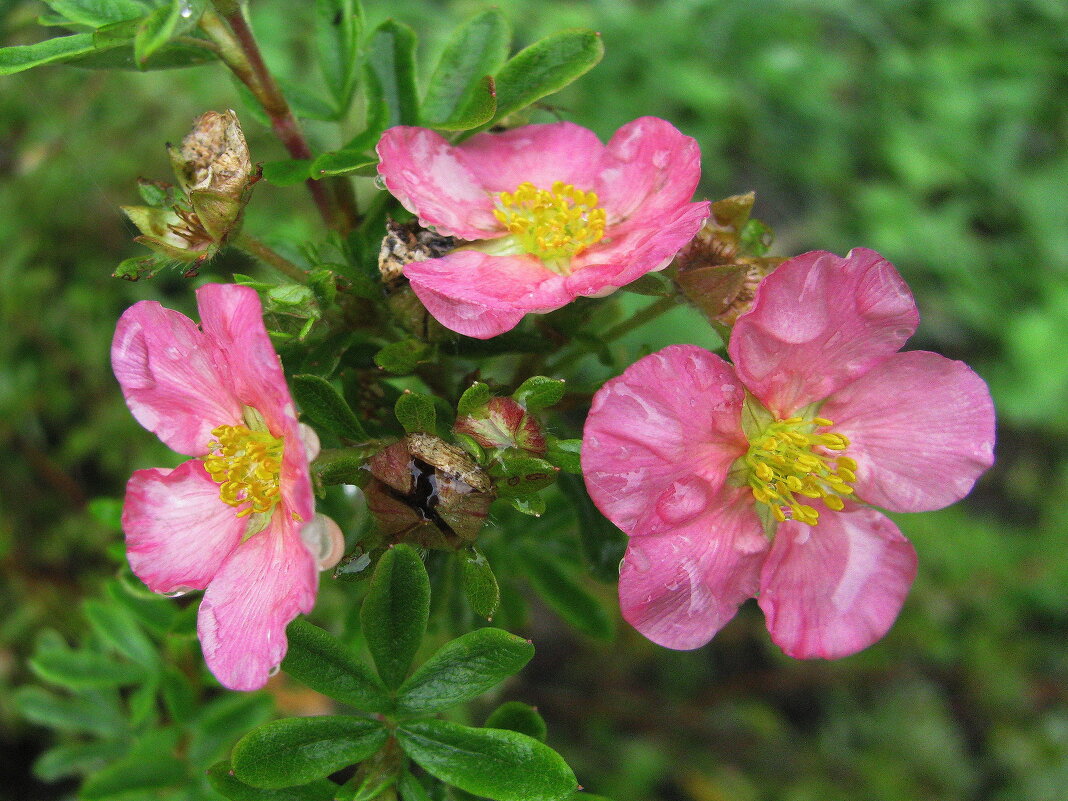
274	671
185	9
380	182
176	593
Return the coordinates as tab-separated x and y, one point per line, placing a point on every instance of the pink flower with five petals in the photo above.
228	521
547	213
755	479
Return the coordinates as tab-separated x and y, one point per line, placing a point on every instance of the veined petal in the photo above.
433	180
268	580
171	377
479	295
921	429
538	154
834	589
660	438
650	170
178	531
819	322
680	588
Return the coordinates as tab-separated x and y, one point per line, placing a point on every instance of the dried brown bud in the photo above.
214	156
405	243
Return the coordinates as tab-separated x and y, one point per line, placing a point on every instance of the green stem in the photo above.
636	320
259	250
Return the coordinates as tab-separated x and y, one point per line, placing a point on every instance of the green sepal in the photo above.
295	751
520	717
395	612
461	91
224	782
518	474
493	763
545	67
391	55
218	213
539	392
463	669
478	582
320	661
416	412
325	407
401	358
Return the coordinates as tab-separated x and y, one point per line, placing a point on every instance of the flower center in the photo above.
788	460
246	464
551	224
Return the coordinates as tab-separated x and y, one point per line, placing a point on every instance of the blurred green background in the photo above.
933	132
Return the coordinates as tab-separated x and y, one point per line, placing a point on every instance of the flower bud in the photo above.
428	493
503	423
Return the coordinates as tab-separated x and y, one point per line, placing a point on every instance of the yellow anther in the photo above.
789	460
554	225
246	465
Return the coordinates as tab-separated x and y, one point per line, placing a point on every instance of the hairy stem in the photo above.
258	250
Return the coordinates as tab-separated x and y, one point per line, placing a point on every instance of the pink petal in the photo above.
626	255
169	375
178	532
481	296
921	429
679	589
833	589
660	438
267	581
650	170
539	154
433	180
818	323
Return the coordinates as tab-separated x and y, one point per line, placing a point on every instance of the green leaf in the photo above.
118	628
395	612
222	780
293	751
153	611
494	763
78	714
142	701
76	758
343	162
565	454
223	721
178	697
366	787
325	407
479	110
416	412
603	545
458	89
478	582
519	475
96	13
565	595
520	717
474	398
171	56
391	55
545	67
539	392
338	28
78	669
401	358
287	172
654	284
533	505
61	48
343	465
463	669
411	789
156	30
135	772
320	661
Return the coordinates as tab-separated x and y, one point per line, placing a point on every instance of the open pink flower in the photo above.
701	462
229	520
547	211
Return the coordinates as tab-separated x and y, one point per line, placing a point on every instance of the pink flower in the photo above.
229	520
547	211
697	461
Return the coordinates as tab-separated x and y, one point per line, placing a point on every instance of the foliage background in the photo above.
932	132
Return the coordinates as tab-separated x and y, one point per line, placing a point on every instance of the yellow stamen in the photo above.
789	459
246	465
553	224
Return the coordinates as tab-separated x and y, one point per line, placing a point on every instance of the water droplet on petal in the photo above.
274	671
380	182
177	593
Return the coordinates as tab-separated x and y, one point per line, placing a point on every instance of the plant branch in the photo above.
267	255
636	320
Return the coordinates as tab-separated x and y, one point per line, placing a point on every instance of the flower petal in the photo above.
650	170
233	321
921	429
480	296
818	322
170	377
833	589
178	532
267	581
538	154
432	179
679	589
660	438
